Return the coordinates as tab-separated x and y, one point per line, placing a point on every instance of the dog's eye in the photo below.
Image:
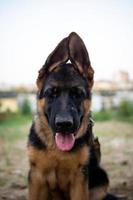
51	92
77	93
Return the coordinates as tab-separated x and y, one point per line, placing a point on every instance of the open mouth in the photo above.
64	142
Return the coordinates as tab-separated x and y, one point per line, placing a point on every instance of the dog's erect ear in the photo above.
79	57
56	58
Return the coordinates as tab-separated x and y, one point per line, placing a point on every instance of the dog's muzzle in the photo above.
64	124
64	136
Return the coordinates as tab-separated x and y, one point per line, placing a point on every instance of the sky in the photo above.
31	29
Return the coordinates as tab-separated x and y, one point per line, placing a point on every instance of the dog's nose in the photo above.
64	124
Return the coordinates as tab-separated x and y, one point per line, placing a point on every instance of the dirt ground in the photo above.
117	156
116	140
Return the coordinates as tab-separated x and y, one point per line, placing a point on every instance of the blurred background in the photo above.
29	31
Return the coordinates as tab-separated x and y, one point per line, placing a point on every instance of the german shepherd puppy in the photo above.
63	154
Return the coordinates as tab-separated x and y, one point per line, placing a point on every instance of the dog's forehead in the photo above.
65	76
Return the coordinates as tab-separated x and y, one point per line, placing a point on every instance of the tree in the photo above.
26	107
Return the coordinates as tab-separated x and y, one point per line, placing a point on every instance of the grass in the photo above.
13	126
124	113
112	115
13	119
102	115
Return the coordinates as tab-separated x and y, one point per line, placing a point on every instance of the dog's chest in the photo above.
60	177
62	168
59	169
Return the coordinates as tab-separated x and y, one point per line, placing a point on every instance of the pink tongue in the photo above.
64	142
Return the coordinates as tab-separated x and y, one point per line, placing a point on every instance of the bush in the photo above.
124	112
26	107
103	115
125	108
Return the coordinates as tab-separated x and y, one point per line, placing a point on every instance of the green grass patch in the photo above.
112	115
14	119
128	119
12	133
103	115
14	126
124	113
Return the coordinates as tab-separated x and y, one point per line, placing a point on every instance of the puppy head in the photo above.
65	90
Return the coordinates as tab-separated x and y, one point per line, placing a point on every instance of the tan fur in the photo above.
40	78
42	126
83	126
90	73
57	168
97	148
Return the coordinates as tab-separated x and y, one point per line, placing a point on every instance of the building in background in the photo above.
109	94
8	101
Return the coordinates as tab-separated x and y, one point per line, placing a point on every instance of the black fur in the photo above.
34	139
85	139
97	177
29	176
110	197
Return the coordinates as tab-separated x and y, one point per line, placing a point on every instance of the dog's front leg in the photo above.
79	188
37	187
